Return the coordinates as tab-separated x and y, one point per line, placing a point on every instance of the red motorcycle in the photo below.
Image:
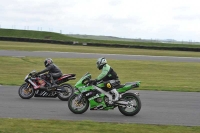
39	86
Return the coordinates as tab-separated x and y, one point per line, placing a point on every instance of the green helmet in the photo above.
101	62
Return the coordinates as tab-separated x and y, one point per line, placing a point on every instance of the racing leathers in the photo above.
110	76
53	71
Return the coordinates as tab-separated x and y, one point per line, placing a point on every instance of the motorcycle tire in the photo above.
75	110
64	96
22	90
137	106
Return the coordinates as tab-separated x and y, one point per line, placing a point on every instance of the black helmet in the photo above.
47	61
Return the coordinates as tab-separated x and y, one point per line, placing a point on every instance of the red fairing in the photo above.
36	86
66	76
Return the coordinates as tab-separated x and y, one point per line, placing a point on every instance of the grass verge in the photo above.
61	126
154	75
25	46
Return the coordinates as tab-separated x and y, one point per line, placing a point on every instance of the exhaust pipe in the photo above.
137	93
122	102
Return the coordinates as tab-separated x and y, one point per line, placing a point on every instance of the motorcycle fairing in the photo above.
65	78
82	87
128	86
43	93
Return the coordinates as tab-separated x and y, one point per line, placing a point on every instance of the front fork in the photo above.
27	88
79	98
27	85
34	85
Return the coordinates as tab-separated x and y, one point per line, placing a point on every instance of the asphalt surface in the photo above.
95	56
158	107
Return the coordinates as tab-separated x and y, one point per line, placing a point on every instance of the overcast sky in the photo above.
146	19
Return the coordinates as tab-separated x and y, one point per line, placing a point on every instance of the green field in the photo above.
61	126
154	75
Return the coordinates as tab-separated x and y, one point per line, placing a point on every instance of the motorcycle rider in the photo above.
109	76
53	71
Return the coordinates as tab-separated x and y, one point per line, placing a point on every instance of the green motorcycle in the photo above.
95	95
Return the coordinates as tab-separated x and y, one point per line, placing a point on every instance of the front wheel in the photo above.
69	90
134	104
26	91
78	108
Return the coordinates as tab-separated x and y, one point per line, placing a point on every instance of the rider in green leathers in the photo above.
108	75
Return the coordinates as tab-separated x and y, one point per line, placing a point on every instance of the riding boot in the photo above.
53	82
116	95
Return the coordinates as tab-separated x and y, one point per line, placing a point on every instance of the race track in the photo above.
95	56
158	107
167	108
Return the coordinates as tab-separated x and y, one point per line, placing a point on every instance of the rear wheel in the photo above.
26	91
68	91
134	104
78	108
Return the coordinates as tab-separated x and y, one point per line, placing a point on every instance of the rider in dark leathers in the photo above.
53	71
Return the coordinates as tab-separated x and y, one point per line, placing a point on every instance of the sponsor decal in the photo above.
108	85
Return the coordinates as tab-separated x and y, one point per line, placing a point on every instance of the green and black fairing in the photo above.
97	100
128	86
